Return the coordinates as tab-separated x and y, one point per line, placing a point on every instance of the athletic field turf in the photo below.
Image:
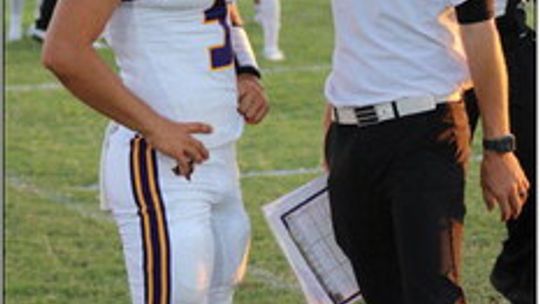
61	249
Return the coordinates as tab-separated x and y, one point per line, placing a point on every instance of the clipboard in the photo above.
301	223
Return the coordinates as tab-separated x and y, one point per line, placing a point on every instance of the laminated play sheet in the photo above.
301	223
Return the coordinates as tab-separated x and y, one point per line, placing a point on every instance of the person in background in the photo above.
513	274
268	15
38	30
15	21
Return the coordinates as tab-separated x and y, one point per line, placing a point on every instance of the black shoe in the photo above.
36	34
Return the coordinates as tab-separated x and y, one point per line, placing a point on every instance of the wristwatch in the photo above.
502	144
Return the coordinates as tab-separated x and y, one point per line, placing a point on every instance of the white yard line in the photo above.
21	88
245	175
25	186
259	274
272	280
296	69
284	172
52	86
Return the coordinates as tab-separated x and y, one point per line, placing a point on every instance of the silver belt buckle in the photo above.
366	116
384	111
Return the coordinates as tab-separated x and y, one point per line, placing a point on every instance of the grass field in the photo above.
61	249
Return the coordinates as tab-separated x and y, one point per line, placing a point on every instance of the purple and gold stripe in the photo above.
155	235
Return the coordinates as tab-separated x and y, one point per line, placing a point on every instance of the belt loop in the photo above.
336	115
394	108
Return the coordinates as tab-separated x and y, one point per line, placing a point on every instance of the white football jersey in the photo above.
392	49
176	55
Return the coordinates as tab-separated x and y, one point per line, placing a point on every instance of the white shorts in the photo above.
184	242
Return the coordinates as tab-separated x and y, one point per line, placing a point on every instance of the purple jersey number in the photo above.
221	56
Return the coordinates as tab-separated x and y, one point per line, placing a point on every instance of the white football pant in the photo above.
15	22
184	242
269	15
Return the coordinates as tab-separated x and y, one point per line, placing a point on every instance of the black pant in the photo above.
397	201
46	10
514	271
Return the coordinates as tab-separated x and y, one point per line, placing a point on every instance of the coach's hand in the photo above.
252	101
175	139
504	183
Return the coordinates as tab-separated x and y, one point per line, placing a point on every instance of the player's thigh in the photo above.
166	230
230	221
116	184
192	246
231	229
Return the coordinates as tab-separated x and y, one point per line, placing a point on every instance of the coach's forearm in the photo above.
326	121
488	71
327	117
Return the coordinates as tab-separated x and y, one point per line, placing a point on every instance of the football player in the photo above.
268	15
188	81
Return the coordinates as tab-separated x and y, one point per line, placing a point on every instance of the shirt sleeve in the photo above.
455	2
472	11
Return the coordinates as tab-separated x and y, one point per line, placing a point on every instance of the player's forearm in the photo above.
84	73
488	71
236	18
69	54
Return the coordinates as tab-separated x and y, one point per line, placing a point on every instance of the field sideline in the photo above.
59	248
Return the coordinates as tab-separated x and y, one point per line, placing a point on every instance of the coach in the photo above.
398	141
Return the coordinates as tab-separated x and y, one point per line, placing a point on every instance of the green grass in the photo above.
61	249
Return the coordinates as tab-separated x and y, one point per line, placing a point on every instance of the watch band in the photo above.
502	144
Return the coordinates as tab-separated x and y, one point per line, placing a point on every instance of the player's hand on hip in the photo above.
252	100
175	140
504	183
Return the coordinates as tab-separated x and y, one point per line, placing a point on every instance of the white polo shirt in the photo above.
391	49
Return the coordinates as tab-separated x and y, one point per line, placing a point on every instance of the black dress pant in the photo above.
397	202
514	271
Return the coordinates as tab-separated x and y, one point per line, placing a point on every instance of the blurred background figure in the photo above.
39	28
15	21
268	15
